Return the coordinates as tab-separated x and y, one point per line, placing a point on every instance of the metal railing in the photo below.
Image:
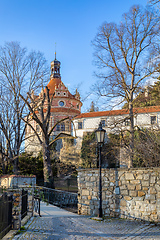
6	202
57	197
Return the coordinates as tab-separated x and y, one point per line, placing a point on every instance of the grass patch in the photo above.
22	229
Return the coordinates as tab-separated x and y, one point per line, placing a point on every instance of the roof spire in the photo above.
55	67
55	50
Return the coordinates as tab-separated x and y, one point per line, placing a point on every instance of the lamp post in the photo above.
100	134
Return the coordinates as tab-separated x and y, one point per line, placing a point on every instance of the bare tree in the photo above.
127	54
20	72
153	2
40	112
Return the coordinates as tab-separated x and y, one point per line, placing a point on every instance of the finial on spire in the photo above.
55	50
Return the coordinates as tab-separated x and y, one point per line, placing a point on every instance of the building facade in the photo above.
115	121
64	104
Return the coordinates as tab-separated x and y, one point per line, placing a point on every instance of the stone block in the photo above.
141	193
152	190
128	198
131	187
138	187
146	176
123	203
134	182
157	186
129	176
93	179
152	179
145	183
145	188
123	187
139	176
123	192
133	193
150	197
85	192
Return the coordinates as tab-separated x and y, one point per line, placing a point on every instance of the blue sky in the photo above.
72	24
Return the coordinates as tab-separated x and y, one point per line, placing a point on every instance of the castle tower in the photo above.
64	104
55	68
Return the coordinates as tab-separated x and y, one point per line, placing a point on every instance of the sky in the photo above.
71	24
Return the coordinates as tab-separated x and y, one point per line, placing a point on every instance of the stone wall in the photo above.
126	193
20	181
17	204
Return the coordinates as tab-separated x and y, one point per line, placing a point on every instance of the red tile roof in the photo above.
54	82
119	112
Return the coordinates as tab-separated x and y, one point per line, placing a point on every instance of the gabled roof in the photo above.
119	112
53	84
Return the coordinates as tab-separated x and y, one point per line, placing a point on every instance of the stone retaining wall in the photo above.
17	181
126	193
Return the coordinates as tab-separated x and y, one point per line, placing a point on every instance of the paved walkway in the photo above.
57	223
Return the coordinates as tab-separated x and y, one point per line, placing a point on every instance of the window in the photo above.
61	103
58	127
127	122
67	126
103	123
62	127
153	120
79	125
64	94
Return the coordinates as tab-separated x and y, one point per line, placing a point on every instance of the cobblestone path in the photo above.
71	226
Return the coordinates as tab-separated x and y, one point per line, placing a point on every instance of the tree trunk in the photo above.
130	164
47	168
15	165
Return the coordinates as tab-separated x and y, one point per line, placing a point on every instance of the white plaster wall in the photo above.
91	124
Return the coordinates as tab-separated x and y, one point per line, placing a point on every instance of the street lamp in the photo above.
100	134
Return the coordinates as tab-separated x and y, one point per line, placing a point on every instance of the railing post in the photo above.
39	203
